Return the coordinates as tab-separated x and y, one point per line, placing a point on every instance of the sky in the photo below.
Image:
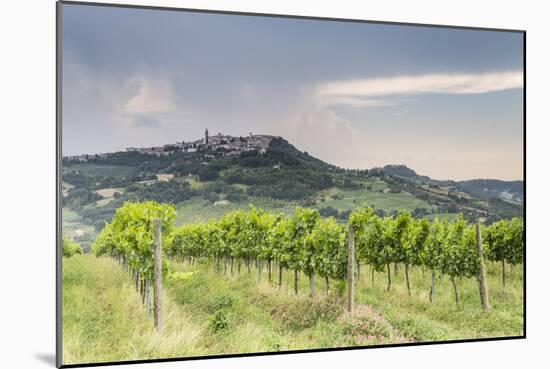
448	103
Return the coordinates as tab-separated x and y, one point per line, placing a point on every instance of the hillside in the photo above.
492	188
206	179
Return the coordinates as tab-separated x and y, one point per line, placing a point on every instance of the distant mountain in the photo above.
511	191
494	188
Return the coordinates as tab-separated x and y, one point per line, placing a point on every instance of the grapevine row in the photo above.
308	243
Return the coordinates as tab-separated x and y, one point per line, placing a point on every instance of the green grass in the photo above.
380	200
73	226
104	320
198	209
420	320
70	215
104	202
102	170
194	183
447	216
376	184
216	313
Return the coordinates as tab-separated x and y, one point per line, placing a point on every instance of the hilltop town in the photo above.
217	145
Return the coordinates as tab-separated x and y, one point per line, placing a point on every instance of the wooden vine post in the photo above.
157	301
482	280
351	267
295	281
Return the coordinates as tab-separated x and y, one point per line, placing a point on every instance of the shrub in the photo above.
328	211
305	314
211	197
365	322
221	302
365	326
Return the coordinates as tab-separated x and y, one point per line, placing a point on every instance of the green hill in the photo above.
209	182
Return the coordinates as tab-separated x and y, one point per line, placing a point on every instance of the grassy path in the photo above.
104	320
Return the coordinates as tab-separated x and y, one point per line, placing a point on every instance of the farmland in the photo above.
346	200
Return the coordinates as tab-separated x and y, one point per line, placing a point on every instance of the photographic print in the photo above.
237	184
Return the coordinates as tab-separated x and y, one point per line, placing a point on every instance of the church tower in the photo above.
206	137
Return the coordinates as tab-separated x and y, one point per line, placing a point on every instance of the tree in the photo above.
328	211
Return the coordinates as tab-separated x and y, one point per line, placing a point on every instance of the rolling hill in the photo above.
205	179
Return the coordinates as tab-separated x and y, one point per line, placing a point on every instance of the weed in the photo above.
304	314
220	302
218	321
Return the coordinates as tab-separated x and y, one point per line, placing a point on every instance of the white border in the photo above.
27	307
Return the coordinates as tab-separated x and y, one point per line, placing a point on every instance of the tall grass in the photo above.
104	320
211	313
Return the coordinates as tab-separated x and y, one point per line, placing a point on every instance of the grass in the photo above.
420	320
102	170
107	193
70	215
214	313
104	202
104	320
388	201
198	209
73	226
194	183
448	216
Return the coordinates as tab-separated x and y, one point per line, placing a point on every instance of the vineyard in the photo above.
309	244
256	281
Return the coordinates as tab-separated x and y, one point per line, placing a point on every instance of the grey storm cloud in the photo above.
356	95
146	121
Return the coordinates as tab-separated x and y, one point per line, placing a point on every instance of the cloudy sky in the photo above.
445	102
